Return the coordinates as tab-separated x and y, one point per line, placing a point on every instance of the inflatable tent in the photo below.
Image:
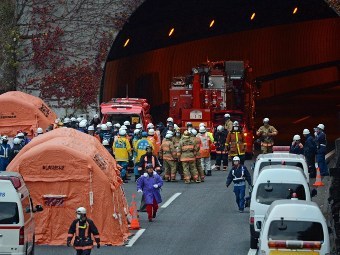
65	169
21	111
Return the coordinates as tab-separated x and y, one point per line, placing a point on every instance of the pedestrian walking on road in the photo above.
82	228
239	174
149	184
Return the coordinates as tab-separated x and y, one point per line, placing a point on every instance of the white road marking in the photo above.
135	237
252	252
170	200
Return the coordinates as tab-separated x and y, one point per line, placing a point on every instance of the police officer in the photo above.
266	133
239	175
82	228
5	153
309	152
321	143
297	146
16	148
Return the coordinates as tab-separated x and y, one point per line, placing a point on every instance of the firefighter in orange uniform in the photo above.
266	134
236	143
153	140
168	153
205	145
82	228
201	173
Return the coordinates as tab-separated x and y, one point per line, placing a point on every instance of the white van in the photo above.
294	227
16	216
280	158
274	183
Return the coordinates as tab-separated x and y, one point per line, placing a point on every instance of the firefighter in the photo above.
82	127
67	122
74	123
109	126
153	140
149	184
107	146
140	150
187	155
189	126
221	152
176	138
309	152
168	153
105	134
148	158
122	150
90	130
5	153
228	124
297	146
200	170
95	120
266	134
238	175
235	143
82	228
211	135
321	143
40	131
115	130
205	150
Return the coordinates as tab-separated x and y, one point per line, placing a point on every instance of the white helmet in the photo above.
170	132
5	137
96	116
90	128
150	125
220	128
265	120
99	126
103	127
81	210
296	138
122	132
20	135
321	126
117	125
176	126
235	124
82	124
170	119
227	115
202	130
79	119
305	131
40	130
202	125
151	131
168	136
67	120
139	126
136	131
105	142
109	124
73	119
127	123
123	127
236	158
193	131
84	120
16	140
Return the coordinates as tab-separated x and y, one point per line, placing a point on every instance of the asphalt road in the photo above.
204	219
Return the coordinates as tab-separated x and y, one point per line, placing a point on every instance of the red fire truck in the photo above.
118	110
212	90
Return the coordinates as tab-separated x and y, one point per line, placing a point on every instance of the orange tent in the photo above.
21	111
65	169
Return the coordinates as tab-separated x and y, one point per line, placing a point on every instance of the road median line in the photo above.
170	200
135	237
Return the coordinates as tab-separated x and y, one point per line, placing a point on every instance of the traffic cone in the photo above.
318	182
134	214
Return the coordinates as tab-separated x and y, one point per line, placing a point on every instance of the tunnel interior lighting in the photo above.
252	16
126	42
172	30
295	10
212	23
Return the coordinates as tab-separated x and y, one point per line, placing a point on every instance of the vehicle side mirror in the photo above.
314	192
258	224
38	208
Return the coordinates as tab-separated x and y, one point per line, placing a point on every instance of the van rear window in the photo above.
295	230
297	164
9	213
269	192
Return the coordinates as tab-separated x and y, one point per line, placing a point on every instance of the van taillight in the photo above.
251	220
22	236
294	245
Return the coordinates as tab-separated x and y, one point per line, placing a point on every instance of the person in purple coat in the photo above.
149	184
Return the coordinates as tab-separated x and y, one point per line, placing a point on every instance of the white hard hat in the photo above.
109	124
150	125
170	132
5	137
73	119
136	131
296	137
82	124
81	210
20	135
219	128
151	131
170	119
79	119
235	124
194	131
99	126
105	142
321	126
175	126
265	120
67	120
168	136
127	123
117	125
202	125
90	128
103	127
122	131
305	131
139	126
236	158
123	127
40	130
96	116
202	129
227	115
16	140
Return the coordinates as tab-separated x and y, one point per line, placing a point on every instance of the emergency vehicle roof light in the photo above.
15	180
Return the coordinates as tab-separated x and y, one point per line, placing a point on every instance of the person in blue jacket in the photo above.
321	143
309	152
149	184
5	153
297	146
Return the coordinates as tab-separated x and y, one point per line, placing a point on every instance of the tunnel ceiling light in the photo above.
172	30
295	10
212	23
126	42
252	16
